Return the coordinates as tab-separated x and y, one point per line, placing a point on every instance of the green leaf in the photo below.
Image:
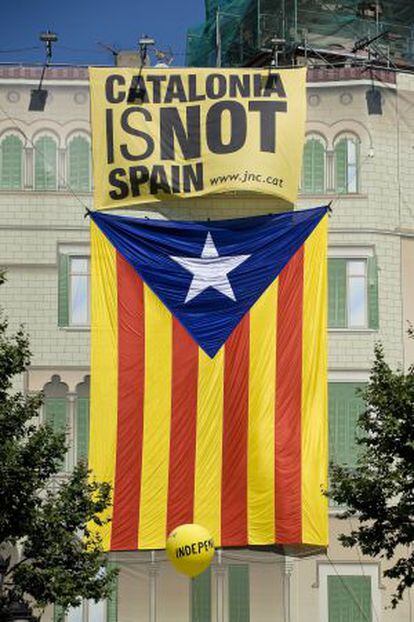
61	562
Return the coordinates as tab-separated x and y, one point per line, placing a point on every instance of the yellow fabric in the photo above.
104	357
314	389
128	138
207	493
157	420
261	429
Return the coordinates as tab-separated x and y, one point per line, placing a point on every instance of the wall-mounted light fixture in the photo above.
38	96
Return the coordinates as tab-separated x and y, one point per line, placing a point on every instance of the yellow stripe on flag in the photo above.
261	429
157	420
208	461
104	367
314	389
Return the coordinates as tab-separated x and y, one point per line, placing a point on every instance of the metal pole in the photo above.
296	20
218	40
153	571
219	571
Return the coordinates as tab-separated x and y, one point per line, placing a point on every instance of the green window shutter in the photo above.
82	428
239	593
341	166
79	164
45	164
349	598
201	597
307	168
313	171
373	311
63	290
58	613
112	601
345	406
318	167
337	293
56	413
11	159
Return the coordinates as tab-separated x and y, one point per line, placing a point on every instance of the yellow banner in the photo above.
164	133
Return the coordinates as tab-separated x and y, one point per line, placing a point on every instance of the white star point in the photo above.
210	270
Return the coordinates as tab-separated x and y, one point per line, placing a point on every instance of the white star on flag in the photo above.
210	270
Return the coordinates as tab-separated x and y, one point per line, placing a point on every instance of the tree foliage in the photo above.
45	540
379	492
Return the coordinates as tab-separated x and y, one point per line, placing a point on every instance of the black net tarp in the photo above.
235	31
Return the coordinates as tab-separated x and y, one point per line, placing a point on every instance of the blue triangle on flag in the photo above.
209	273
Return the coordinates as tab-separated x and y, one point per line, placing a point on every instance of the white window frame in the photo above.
364	276
372	570
71	257
349	253
349	136
84	613
82	250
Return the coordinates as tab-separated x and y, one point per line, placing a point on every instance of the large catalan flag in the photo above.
209	379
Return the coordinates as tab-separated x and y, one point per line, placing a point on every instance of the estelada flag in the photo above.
209	378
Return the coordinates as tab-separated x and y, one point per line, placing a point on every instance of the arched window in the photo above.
11	163
346	164
313	168
79	164
45	177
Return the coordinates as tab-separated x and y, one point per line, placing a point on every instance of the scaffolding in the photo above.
235	32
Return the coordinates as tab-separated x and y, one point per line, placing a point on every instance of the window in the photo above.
78	291
346	165
313	168
69	414
345	406
201	597
239	593
89	610
353	293
11	163
74	307
79	164
45	176
348	592
349	598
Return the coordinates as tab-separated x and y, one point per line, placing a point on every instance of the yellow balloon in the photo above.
190	549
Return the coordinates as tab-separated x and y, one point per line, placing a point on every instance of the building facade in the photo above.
363	164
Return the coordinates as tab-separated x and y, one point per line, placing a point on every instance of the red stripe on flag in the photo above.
235	433
131	346
183	428
289	402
